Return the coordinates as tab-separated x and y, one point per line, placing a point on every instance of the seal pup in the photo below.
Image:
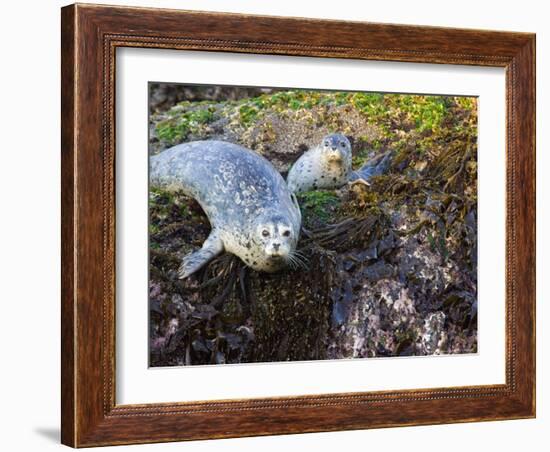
252	212
329	165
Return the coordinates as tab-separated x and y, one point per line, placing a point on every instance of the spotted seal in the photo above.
329	165
252	212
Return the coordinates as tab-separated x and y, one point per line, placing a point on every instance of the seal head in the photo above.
336	148
275	240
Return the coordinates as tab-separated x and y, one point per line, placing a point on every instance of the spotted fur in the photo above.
329	165
252	212
325	166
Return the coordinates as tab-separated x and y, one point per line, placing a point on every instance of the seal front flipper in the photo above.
212	247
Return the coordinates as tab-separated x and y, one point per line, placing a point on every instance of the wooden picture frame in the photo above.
90	36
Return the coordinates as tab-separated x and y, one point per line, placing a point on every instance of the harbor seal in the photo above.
325	166
252	212
329	166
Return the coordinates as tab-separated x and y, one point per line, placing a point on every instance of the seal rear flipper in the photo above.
375	166
212	247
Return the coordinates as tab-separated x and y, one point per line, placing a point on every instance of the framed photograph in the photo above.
281	225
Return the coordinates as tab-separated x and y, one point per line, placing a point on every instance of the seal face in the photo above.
252	212
327	165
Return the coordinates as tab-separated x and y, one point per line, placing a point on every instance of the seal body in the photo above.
252	212
325	166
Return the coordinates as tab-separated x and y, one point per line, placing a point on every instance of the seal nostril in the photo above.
276	246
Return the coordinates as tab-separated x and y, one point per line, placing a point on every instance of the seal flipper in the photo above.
357	179
374	167
212	247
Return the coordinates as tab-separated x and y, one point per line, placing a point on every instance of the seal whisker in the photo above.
292	262
301	261
301	265
300	253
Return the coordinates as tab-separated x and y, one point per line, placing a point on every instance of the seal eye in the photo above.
265	232
327	143
342	144
286	233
